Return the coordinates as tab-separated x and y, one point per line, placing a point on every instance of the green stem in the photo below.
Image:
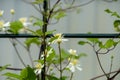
71	76
29	54
60	56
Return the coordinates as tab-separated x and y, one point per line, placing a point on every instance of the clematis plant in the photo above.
50	64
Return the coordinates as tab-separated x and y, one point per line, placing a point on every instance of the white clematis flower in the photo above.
73	65
59	38
4	25
73	52
38	68
25	22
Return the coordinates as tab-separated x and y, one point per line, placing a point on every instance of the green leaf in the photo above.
81	55
38	1
49	32
30	41
101	45
39	23
13	75
60	15
15	27
28	74
109	43
4	67
38	32
52	77
93	40
51	56
108	11
116	25
82	42
65	54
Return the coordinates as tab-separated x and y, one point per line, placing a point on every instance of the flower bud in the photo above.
12	11
1	13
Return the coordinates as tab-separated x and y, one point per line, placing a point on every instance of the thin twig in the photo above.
15	69
104	74
14	45
101	65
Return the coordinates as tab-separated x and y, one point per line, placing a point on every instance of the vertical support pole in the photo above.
44	30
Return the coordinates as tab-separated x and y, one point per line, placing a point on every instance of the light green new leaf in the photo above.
15	27
38	1
109	43
93	40
60	15
39	23
4	67
30	41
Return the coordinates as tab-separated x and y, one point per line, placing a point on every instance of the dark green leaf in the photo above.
28	74
108	11
82	42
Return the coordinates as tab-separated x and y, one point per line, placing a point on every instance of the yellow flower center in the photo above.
1	24
59	35
38	66
23	20
74	62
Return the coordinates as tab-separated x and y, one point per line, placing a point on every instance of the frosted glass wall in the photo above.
92	18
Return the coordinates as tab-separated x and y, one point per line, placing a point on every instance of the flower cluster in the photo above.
5	26
73	62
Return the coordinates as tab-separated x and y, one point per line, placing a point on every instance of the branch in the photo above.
118	71
15	69
73	7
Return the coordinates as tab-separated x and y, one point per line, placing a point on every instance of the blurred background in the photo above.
91	18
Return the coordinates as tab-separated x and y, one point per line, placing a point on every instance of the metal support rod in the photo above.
65	35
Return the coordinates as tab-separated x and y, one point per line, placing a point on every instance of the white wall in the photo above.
91	18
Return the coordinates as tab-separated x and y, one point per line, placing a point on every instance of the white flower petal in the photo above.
79	68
